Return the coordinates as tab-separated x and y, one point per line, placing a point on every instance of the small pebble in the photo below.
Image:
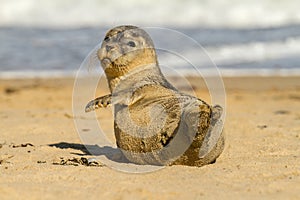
282	112
262	126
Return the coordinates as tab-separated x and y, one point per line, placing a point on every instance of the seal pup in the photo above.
154	123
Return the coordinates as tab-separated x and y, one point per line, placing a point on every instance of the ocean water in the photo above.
249	37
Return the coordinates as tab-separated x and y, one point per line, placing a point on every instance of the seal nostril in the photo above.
108	48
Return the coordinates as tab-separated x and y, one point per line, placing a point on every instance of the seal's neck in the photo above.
133	76
145	61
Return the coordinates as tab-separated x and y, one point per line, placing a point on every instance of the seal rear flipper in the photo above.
215	132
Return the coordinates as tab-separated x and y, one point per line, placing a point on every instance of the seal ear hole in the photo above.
131	44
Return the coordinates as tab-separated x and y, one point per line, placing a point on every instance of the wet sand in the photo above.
42	156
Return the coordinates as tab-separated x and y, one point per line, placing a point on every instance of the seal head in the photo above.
121	49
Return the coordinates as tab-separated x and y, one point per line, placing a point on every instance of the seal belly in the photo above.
143	129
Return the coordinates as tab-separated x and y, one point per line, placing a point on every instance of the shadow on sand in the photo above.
113	154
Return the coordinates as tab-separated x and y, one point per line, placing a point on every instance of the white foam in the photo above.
230	72
36	74
243	53
233	72
213	13
259	72
255	52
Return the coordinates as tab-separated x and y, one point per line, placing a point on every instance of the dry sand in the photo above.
261	159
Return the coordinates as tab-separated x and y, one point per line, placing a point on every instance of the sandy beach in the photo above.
42	156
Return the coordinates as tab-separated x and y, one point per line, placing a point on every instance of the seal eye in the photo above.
106	39
131	44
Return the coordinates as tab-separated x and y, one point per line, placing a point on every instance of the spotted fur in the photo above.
154	123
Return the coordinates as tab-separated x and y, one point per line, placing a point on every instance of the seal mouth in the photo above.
106	61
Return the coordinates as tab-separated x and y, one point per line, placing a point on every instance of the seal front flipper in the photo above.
100	102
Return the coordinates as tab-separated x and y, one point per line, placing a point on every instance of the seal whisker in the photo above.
93	62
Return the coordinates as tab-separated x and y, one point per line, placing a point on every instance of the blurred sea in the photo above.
52	37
